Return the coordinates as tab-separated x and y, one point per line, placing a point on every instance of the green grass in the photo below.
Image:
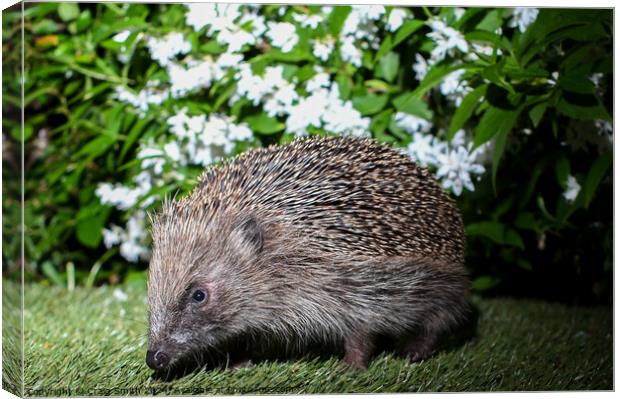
93	343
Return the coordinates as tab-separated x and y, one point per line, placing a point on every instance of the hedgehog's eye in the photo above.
199	296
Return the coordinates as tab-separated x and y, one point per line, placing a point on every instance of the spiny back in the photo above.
352	195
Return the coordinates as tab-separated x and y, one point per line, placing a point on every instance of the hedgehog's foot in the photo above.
418	347
358	349
241	364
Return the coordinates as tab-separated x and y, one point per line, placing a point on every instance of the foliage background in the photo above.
126	103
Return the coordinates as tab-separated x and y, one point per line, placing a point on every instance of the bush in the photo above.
126	104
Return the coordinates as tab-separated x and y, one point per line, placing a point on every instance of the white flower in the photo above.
112	236
458	12
412	123
199	15
324	108
350	52
197	75
455	167
239	132
572	189
218	16
454	87
360	23
164	49
308	20
522	17
396	18
119	295
147	96
235	38
447	41
368	12
422	149
250	86
118	195
420	67
261	88
281	100
257	21
595	78
222	21
173	151
121	36
319	81
152	157
307	112
322	49
343	119
282	35
605	128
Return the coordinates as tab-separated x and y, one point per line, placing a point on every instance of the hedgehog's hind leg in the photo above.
418	346
358	347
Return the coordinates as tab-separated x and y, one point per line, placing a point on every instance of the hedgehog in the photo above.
330	240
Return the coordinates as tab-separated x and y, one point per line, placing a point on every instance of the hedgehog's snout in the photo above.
157	359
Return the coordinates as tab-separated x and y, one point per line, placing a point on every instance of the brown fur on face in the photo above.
330	239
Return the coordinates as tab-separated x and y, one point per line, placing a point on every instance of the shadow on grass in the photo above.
244	352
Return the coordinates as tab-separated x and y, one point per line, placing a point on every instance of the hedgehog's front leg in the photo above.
357	349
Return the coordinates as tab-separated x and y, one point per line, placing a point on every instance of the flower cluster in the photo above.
301	105
455	162
197	140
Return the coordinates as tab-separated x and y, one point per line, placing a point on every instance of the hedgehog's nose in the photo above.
157	360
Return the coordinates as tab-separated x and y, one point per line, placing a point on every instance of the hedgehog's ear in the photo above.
249	234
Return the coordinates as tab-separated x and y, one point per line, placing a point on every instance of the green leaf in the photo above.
526	221
265	124
412	106
490	229
513	238
377	84
595	176
433	77
491	21
540	166
388	66
581	106
494	121
380	122
132	136
344	86
500	145
406	30
45	26
562	170
96	147
497	232
337	18
537	112
370	103
89	224
577	83
494	74
52	274
136	279
464	111
89	230
489	38
68	11
385	47
484	283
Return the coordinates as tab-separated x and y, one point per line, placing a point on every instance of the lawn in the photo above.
93	341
